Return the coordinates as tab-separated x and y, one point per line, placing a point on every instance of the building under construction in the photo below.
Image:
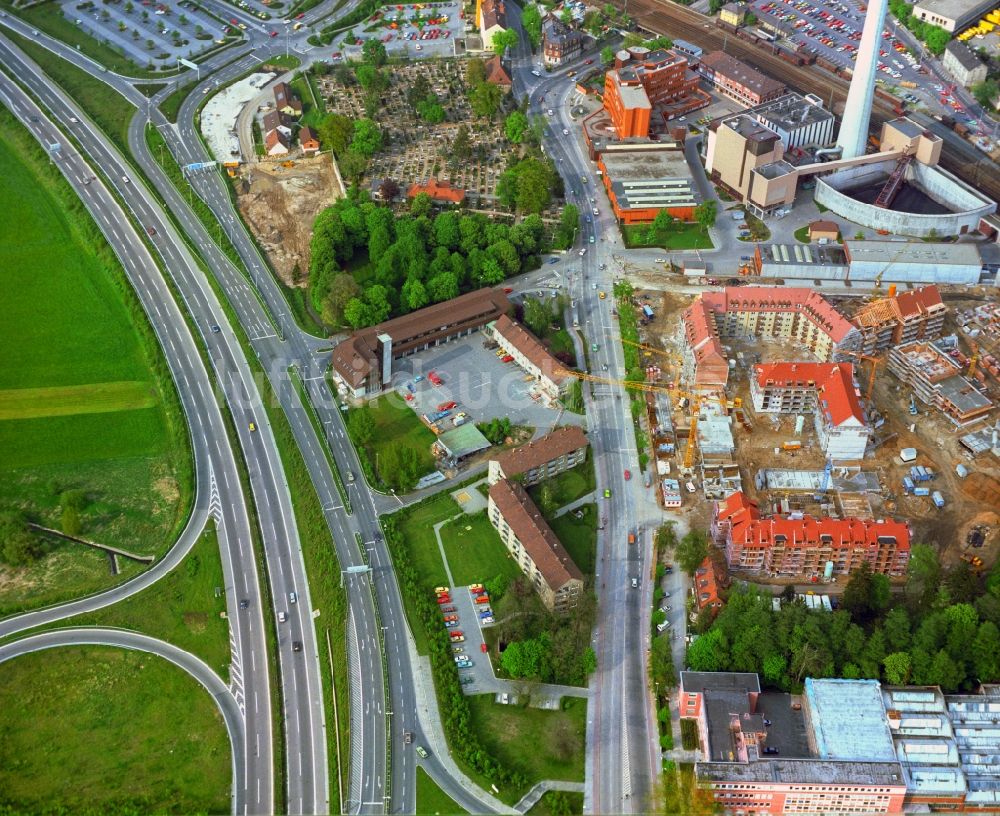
901	318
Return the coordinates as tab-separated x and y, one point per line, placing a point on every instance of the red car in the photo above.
507	359
300	16
588	62
447	406
508	289
274	33
234	21
443	599
448	618
628	475
483	647
447	609
483	599
456	634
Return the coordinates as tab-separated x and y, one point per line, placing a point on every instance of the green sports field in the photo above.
85	400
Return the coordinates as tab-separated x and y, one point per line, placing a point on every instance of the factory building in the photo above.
799	121
843	746
737	80
826	390
643	179
901	318
793	313
644	84
935	377
952	15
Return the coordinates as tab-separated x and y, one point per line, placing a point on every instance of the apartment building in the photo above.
934	375
363	362
963	63
803	546
643	82
560	450
549	374
737	80
793	313
560	43
917	314
843	746
826	390
535	547
733	14
491	15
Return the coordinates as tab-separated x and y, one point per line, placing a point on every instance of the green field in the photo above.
541	744
73	327
570	485
679	236
558	803
108	730
431	800
475	552
579	536
396	425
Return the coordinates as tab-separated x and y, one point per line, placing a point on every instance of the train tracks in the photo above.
680	22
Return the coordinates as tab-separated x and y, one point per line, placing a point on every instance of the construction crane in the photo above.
825	483
875	363
974	358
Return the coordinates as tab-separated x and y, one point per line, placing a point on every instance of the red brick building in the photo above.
739	81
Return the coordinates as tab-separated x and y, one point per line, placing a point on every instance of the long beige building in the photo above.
535	547
529	353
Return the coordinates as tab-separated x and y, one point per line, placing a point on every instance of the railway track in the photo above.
672	20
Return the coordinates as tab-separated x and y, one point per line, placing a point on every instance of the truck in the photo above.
938	499
791	445
921	491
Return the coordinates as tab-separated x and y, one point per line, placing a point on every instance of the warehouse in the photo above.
643	179
913	262
952	15
801	261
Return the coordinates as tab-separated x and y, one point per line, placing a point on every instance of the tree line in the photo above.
942	630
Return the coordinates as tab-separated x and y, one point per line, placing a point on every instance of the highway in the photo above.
622	747
218	489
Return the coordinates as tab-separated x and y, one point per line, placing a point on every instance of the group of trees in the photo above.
569	223
413	260
943	630
496	430
986	92
934	37
485	98
544	316
18	545
424	101
543	646
527	184
531	22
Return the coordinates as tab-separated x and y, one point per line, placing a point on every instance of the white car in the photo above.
583	252
661	260
549	112
565	132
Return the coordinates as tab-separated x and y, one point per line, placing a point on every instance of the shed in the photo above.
461	442
823	229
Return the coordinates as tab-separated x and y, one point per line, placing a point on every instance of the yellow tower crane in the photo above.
875	363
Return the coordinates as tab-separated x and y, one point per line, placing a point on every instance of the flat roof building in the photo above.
643	179
534	546
848	719
951	15
362	363
914	262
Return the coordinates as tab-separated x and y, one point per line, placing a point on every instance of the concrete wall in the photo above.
937	183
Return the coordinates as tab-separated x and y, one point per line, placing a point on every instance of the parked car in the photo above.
441	590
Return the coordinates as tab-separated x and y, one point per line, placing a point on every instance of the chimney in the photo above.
853	135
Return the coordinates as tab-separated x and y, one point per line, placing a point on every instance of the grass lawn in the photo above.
431	800
396	425
313	108
181	608
579	536
171	106
679	236
551	804
109	730
570	485
475	552
540	744
86	402
108	108
802	234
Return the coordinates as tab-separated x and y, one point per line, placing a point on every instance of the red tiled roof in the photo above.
918	301
273	138
439	191
707	584
496	74
834	383
711	366
534	533
307	136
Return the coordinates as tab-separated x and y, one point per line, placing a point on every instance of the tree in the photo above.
537	316
343	287
503	40
475	73
388	190
710	652
485	100
361	425
923	578
461	148
531	22
986	92
944	672
336	131
566	16
666	537
430	110
607	55
858	594
897	668
442	287
661	663
359	314
706	213
414	294
569	222
936	39
418	91
421	204
691	551
352	165
17	545
367	138
373	52
515	127
985	653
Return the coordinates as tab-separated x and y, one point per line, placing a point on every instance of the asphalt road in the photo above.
218	491
232	715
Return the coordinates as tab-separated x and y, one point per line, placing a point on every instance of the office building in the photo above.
534	546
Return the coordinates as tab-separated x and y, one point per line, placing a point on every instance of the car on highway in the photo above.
635	583
594	346
588	62
215	329
583	251
536	72
607	492
293	598
282	617
296	645
253	427
628	474
421	751
244	603
549	112
602	295
591	239
565	132
273	34
553	260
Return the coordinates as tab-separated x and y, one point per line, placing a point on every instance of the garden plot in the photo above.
414	30
149	33
415	151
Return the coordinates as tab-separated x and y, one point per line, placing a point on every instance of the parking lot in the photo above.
479	383
148	32
479	677
414	30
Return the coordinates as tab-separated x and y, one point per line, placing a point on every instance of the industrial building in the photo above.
952	15
550	376
543	458
645	84
843	746
737	80
936	379
806	546
363	362
746	311
901	318
799	121
826	390
643	179
534	546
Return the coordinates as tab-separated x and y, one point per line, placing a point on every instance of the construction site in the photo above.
871	419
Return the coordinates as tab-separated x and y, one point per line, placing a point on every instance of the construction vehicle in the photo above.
288	164
825	483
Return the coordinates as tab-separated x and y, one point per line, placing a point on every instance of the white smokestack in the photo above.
853	134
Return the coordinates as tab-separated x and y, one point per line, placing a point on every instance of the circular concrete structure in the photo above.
939	204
